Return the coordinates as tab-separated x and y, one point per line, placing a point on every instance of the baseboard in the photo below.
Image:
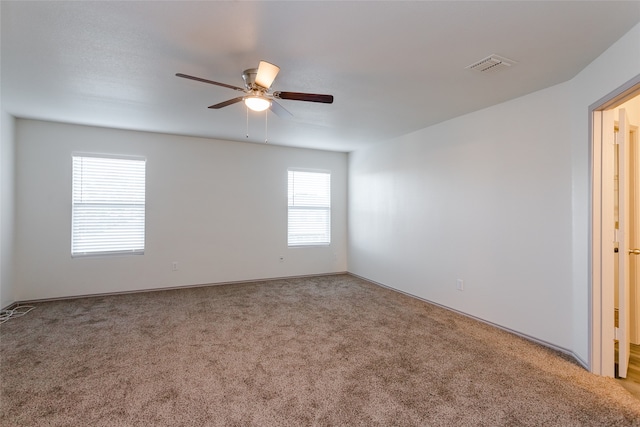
522	335
171	288
544	343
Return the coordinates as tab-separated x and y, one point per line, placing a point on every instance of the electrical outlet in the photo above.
460	285
174	266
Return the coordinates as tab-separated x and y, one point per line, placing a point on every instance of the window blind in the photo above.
309	218
108	206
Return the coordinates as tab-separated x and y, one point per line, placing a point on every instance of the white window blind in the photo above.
108	206
309	208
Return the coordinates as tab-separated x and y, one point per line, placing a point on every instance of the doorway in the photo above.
615	296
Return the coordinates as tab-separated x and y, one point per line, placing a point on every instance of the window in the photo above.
309	208
108	206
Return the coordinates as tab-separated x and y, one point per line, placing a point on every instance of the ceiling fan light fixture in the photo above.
257	103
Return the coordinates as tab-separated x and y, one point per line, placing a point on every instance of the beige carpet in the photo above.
322	351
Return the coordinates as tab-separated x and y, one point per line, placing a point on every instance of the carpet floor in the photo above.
320	351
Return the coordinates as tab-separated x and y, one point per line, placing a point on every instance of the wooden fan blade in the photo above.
267	73
226	103
310	97
199	79
280	111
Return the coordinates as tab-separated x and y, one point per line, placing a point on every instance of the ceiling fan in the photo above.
257	94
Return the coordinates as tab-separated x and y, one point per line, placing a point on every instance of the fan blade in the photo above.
298	96
199	79
267	73
226	103
280	111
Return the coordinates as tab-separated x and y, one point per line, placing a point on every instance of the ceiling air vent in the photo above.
491	63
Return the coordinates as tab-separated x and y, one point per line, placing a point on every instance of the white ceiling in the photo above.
393	67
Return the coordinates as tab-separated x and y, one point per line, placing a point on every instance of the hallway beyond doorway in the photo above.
632	382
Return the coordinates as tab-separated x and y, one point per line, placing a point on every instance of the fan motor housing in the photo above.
249	77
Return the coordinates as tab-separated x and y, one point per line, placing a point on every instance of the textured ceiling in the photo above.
393	67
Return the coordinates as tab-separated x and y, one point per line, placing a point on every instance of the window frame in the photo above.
118	252
328	209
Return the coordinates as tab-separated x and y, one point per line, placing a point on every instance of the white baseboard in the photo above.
170	288
544	343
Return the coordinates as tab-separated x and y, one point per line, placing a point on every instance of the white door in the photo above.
625	244
634	262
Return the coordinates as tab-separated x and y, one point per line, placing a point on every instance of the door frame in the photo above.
601	297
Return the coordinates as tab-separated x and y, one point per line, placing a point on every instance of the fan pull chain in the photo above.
247	108
266	127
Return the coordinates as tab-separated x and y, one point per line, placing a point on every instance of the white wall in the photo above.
218	208
7	154
499	198
616	66
486	198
